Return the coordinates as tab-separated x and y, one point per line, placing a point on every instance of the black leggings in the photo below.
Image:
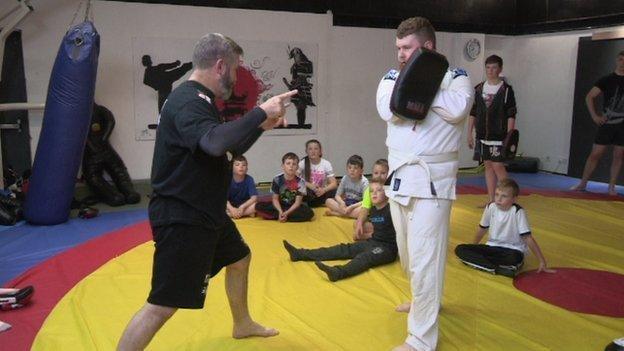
488	257
363	255
313	201
268	211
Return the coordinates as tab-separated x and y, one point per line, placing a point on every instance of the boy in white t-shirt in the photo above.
493	116
509	236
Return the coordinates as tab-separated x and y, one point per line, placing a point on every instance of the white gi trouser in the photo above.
422	250
422	229
424	154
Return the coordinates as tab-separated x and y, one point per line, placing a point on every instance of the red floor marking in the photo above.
577	290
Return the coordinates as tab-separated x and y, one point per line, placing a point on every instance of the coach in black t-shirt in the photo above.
194	237
610	123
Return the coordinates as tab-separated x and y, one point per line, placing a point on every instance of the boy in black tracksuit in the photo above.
380	249
493	116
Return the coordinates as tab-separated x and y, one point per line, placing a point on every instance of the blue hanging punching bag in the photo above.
66	121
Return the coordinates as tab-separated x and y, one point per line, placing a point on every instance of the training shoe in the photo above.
476	266
507	271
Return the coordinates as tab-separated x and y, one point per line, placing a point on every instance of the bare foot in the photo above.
404	347
404	307
250	329
578	187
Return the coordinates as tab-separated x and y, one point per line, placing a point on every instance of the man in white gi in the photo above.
424	158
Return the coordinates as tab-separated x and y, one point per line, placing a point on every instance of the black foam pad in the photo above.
510	144
614	347
17	299
418	84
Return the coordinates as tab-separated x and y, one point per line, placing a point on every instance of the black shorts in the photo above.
484	152
186	257
610	134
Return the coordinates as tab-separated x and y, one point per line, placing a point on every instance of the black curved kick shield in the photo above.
418	84
510	144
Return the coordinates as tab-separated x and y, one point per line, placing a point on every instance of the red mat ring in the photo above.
577	290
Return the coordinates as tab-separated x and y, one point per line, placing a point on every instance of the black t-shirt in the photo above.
189	185
382	224
612	87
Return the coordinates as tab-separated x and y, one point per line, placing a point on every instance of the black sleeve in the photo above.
510	103
233	136
473	110
246	144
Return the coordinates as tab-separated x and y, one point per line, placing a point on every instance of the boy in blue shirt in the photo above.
243	195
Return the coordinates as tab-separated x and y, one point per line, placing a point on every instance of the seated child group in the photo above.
310	182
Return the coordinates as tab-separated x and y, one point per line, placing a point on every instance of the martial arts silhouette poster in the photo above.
266	69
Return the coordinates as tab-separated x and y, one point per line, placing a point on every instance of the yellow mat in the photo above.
480	311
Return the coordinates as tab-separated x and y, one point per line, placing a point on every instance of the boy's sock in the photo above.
332	272
292	251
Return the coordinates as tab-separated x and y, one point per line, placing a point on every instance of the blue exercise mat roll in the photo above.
66	121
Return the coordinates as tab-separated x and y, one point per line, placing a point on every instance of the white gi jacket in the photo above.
434	140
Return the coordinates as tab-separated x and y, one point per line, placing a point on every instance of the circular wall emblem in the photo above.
472	49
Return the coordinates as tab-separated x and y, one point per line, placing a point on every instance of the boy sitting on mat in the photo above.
380	249
243	195
288	191
509	236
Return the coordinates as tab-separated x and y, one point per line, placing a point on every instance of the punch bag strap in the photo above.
88	14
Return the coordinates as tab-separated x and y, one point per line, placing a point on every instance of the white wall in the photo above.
475	71
351	62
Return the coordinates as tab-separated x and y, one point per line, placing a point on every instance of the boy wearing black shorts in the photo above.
493	116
